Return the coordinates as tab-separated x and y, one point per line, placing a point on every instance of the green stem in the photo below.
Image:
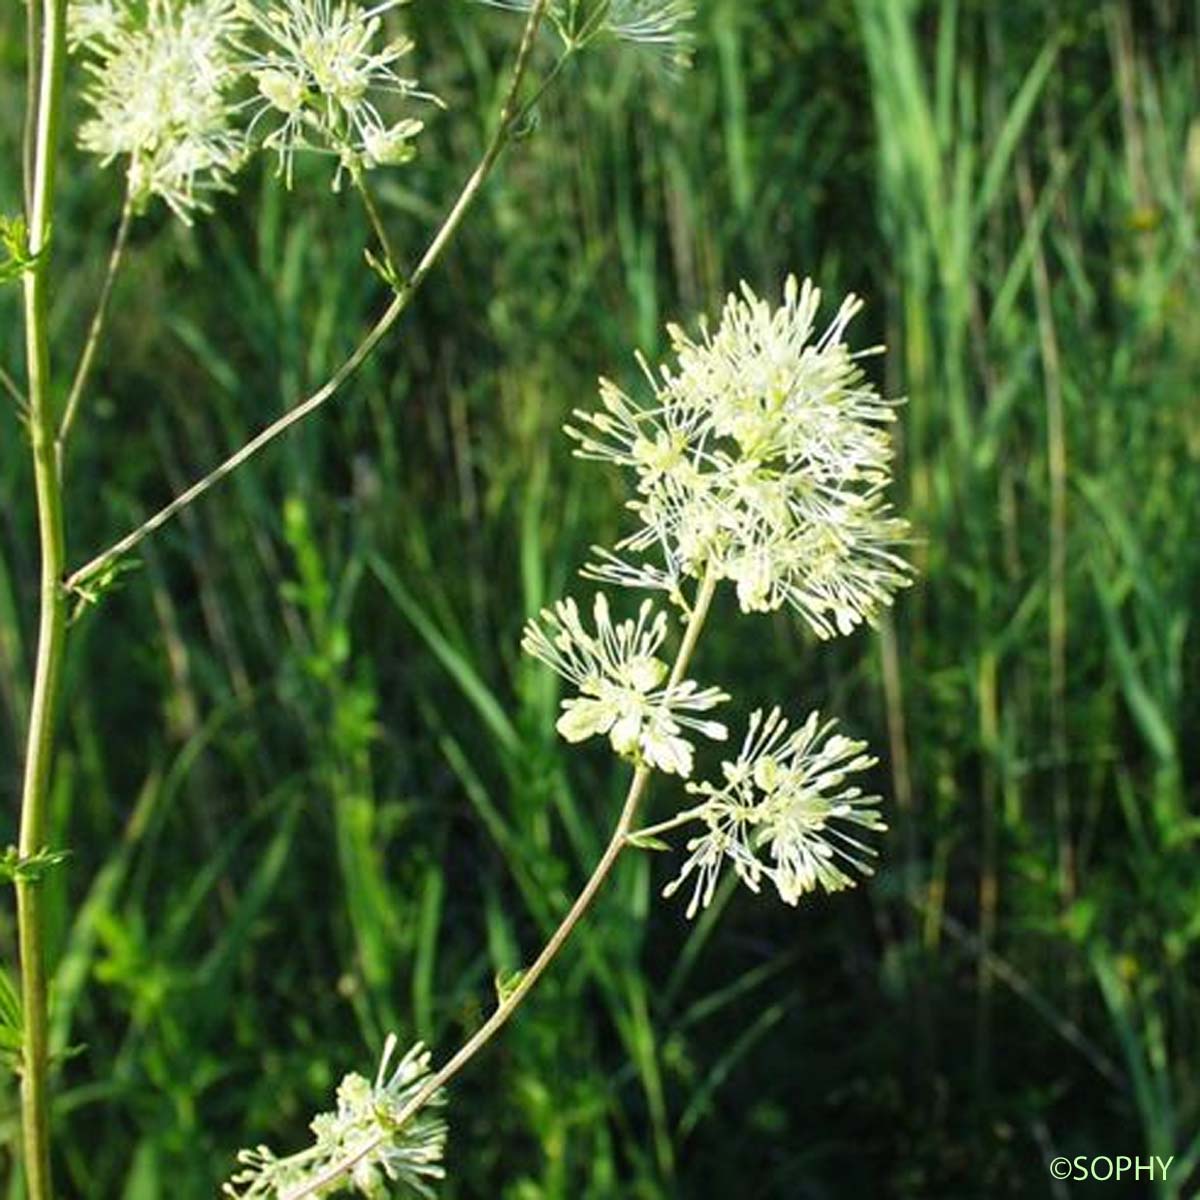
665	826
376	220
544	87
83	372
511	1002
29	134
35	1125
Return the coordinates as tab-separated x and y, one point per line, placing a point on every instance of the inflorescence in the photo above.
364	1129
160	95
322	71
185	90
661	27
622	693
761	458
783	812
764	455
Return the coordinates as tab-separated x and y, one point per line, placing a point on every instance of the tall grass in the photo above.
305	812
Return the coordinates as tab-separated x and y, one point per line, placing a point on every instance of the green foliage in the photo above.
314	795
10	1022
15	258
31	867
88	595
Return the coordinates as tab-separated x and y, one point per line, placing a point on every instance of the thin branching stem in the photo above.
87	358
377	224
649	831
511	113
96	329
547	83
529	978
10	385
52	625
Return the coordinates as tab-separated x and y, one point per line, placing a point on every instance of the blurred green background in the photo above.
313	795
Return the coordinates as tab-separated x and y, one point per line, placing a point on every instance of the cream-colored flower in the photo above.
662	27
623	689
763	455
784	812
326	81
362	1124
93	20
162	74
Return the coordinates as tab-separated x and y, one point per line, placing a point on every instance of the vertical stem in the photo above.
376	219
52	622
29	135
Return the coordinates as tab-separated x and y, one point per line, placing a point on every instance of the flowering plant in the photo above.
620	684
760	458
763	456
760	442
162	79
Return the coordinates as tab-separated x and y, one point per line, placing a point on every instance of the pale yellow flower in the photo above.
763	454
623	689
785	812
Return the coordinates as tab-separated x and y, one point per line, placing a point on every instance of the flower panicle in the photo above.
160	96
323	70
169	80
764	454
760	457
364	1132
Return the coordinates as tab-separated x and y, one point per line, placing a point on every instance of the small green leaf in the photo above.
386	272
32	867
92	592
15	258
507	983
647	841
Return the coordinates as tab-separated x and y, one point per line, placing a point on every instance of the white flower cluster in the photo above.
621	684
762	460
784	812
365	1118
765	456
169	80
660	26
159	95
321	74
